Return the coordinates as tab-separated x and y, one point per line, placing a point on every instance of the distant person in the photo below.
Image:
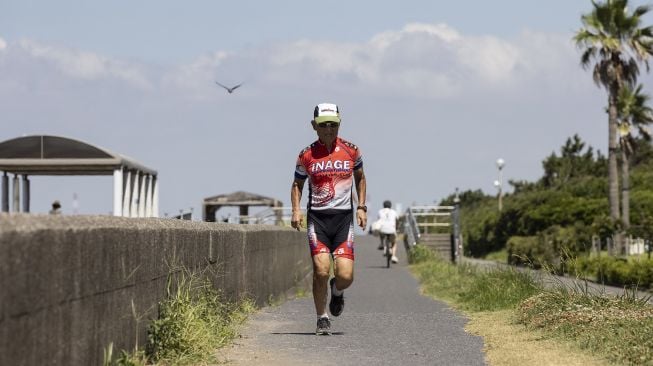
333	166
56	208
388	228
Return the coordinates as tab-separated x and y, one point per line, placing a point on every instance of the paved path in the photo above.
386	322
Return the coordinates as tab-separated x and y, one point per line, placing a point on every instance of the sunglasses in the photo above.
328	124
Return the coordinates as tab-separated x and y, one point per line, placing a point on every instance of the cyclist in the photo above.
333	166
388	228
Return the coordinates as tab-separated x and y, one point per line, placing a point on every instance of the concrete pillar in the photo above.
5	192
136	189
148	197
117	192
127	191
155	197
243	211
141	196
26	193
16	193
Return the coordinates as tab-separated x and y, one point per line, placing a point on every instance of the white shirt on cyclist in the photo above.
388	219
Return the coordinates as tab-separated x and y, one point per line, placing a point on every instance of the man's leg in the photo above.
393	242
344	272
321	266
344	276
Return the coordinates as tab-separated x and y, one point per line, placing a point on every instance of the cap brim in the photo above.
323	119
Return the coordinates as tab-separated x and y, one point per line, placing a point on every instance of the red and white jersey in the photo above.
330	173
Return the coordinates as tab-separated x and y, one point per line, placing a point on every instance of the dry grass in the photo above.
510	344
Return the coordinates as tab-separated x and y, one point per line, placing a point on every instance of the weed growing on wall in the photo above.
193	321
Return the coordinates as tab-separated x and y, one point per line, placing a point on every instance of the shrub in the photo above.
419	253
615	271
193	321
528	250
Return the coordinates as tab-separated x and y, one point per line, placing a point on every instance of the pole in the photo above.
5	192
500	189
16	192
26	193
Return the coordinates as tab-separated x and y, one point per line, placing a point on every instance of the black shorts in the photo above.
331	232
391	238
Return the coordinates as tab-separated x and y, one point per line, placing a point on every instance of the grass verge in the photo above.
194	320
540	322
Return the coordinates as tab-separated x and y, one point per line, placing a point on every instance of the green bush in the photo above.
419	253
473	288
498	289
550	248
193	321
614	271
529	250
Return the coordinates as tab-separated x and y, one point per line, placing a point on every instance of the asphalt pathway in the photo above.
386	321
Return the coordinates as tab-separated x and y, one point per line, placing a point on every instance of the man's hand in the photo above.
297	220
361	216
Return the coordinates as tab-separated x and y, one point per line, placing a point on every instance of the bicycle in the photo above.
387	250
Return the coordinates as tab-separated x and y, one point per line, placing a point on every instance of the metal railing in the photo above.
410	229
419	220
279	216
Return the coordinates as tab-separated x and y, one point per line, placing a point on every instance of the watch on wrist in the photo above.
362	207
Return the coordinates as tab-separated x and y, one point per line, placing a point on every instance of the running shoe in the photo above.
394	259
380	247
337	303
323	326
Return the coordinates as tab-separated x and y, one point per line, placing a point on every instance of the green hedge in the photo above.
549	248
614	271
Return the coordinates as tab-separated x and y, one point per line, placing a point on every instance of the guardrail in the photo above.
424	217
420	221
279	216
411	230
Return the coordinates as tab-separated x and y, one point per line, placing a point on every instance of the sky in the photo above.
432	92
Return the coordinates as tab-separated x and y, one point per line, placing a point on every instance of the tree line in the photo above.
583	193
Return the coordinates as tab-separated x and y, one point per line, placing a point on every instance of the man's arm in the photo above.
295	198
361	188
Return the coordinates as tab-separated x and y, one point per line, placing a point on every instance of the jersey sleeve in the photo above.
300	169
358	159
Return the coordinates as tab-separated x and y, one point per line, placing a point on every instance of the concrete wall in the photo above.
70	285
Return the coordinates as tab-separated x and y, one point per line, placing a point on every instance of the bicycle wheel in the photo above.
388	255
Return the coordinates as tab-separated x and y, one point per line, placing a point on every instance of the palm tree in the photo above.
633	114
613	41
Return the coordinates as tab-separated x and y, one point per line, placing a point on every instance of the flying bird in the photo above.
230	90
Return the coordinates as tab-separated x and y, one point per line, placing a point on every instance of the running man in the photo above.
333	166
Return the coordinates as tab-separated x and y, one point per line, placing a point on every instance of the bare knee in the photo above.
344	273
320	274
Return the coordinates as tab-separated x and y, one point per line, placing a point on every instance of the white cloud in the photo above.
85	65
454	100
3	44
195	80
425	60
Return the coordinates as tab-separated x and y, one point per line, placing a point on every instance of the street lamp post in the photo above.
499	183
457	250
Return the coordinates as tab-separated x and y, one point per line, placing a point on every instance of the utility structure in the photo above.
242	200
499	182
135	187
